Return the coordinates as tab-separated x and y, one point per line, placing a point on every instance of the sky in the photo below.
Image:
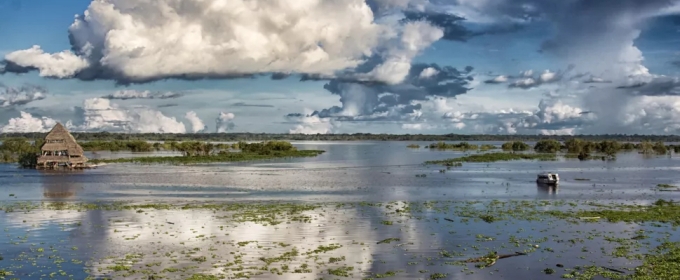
356	66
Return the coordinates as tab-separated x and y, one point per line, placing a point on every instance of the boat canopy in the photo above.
546	175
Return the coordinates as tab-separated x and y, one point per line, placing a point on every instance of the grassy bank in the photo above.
493	157
22	152
221	157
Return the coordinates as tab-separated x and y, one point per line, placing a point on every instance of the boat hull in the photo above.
547	182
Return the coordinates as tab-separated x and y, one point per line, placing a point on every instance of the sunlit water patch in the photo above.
294	241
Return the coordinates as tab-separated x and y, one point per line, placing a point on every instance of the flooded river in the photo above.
357	211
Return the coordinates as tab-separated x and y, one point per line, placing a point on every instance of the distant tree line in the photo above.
234	137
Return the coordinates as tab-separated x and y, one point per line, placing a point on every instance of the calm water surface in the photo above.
70	244
348	171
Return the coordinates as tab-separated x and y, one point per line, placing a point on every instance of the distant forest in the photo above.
233	137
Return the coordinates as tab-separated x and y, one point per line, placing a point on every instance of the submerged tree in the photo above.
660	148
646	147
548	146
574	145
609	147
515	146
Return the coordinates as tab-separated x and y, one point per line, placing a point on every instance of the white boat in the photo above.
548	178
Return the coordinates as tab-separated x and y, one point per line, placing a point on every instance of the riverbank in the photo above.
222	157
24	153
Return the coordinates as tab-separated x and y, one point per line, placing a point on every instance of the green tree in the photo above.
515	146
646	147
548	146
660	148
574	145
609	147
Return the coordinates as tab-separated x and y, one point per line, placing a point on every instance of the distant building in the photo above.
61	149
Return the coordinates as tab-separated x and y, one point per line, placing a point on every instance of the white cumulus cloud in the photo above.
28	123
552	117
225	122
63	64
142	40
100	114
197	124
313	125
428	72
415	37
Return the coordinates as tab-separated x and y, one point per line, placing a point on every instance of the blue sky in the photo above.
564	102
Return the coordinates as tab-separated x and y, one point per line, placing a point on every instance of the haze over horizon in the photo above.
355	66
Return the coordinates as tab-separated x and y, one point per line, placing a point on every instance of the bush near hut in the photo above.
20	150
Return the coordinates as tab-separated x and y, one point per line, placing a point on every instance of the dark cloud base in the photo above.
383	102
243	104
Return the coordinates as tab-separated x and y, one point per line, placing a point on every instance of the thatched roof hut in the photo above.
59	139
60	147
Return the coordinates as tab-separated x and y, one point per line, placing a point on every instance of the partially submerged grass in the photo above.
388	240
662	263
4	273
661	211
666	186
462	146
322	256
345	271
493	157
487	147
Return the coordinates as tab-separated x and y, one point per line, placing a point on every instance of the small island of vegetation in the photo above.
203	152
548	149
492	157
20	150
462	146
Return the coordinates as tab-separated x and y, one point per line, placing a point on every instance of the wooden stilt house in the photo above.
61	149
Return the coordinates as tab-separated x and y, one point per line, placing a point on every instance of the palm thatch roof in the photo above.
59	139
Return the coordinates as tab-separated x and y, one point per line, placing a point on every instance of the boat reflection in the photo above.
548	189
